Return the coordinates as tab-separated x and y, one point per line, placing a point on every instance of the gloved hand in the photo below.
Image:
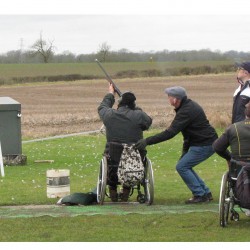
141	144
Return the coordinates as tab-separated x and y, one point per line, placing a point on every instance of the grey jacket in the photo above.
123	125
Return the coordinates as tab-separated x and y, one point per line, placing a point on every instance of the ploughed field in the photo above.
50	109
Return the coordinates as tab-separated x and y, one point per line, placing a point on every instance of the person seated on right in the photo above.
237	136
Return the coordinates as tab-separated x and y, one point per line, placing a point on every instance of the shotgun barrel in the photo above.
109	78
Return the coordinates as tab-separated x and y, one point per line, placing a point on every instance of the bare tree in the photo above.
43	48
103	51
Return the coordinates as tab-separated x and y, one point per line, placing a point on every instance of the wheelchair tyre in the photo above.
225	200
149	183
102	181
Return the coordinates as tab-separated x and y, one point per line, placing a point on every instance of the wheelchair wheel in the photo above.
225	200
102	181
149	183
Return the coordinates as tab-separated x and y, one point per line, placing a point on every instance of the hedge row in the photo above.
199	70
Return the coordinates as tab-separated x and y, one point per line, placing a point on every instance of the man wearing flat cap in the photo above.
198	137
123	125
242	93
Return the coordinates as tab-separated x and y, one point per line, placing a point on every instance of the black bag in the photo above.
242	191
78	199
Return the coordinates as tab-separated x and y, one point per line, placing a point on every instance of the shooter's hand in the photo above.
111	89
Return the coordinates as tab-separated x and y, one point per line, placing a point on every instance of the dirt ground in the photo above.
50	109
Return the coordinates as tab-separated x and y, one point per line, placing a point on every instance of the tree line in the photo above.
16	56
43	51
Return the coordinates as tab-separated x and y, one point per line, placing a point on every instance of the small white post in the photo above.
1	162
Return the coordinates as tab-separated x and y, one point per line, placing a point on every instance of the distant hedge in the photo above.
198	70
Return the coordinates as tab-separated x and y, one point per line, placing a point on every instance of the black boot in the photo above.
113	193
125	194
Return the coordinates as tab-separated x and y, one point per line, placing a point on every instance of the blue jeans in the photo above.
194	156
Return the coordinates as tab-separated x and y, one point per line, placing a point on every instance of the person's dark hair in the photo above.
127	99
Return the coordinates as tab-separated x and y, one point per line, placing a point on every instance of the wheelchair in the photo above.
228	199
145	189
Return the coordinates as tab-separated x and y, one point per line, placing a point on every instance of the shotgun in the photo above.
109	78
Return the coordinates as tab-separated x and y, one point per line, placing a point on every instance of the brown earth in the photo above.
63	107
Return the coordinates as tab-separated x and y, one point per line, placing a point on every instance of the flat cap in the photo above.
176	91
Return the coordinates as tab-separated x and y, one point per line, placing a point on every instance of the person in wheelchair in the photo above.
123	125
237	136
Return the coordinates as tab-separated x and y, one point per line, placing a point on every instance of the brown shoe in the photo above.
125	194
210	196
197	199
113	194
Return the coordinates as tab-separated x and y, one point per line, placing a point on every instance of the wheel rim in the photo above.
224	203
149	183
101	181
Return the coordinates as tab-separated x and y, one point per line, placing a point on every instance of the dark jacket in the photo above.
191	120
241	98
123	125
237	136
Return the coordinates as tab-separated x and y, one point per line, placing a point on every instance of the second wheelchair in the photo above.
228	192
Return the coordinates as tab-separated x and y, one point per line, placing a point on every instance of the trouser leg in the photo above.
184	167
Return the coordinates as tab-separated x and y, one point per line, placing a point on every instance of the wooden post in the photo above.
1	162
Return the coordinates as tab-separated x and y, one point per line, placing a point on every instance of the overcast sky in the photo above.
138	27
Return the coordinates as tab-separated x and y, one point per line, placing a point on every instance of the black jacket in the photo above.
237	136
191	120
241	98
123	125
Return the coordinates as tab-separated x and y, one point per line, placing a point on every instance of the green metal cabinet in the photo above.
10	126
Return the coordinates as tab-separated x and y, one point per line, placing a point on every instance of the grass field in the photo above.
50	69
81	155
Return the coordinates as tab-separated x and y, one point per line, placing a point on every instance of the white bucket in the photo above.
58	183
